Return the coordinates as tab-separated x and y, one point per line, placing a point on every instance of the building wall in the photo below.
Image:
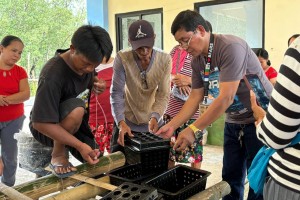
281	21
170	10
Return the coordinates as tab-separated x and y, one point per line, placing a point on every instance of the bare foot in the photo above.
1	166
61	165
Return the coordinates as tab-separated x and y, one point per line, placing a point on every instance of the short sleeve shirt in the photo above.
57	83
9	85
232	58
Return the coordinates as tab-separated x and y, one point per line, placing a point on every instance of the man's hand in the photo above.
258	112
123	130
166	131
99	85
153	126
184	139
88	154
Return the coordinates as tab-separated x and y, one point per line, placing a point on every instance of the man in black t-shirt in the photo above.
59	116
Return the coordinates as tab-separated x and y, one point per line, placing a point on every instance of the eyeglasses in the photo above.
144	79
185	45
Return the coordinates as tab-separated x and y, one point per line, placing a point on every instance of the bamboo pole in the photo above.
49	184
214	192
82	192
12	193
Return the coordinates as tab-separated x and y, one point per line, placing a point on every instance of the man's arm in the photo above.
282	120
117	91
57	133
187	111
60	135
117	99
214	111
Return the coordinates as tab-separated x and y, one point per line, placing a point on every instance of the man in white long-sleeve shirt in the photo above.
140	85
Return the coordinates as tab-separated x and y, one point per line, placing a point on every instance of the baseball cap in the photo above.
141	34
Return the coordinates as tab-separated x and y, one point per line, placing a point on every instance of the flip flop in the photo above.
64	175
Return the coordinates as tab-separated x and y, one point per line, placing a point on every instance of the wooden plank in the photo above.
214	192
49	184
94	182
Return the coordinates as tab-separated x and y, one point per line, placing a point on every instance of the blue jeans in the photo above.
9	149
239	152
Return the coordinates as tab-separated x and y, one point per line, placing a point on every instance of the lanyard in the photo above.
207	68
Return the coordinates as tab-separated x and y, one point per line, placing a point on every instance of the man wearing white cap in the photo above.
140	86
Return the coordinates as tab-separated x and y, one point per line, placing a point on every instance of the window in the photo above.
124	20
243	18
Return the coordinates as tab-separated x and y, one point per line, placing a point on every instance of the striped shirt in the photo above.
175	105
282	121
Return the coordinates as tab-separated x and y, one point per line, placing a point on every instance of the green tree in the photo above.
43	25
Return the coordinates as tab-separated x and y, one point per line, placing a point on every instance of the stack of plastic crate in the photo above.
147	155
148	150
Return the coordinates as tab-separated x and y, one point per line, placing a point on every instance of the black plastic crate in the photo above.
160	196
146	140
155	159
180	182
131	191
129	173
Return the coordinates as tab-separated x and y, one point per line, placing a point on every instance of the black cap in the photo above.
141	34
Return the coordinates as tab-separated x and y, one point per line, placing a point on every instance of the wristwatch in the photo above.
198	133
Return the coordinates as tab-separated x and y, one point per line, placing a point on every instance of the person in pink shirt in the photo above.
181	78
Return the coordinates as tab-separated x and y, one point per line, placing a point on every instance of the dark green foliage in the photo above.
43	26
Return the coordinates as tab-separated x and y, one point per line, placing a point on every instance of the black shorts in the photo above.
84	133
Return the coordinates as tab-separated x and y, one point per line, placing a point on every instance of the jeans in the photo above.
240	147
9	149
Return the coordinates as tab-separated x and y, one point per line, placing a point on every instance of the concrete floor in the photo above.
212	162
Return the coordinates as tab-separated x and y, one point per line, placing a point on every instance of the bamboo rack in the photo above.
55	189
49	184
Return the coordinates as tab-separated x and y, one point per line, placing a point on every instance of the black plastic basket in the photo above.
131	191
146	140
155	159
180	182
129	173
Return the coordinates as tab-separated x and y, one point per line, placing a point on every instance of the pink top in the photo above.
184	68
